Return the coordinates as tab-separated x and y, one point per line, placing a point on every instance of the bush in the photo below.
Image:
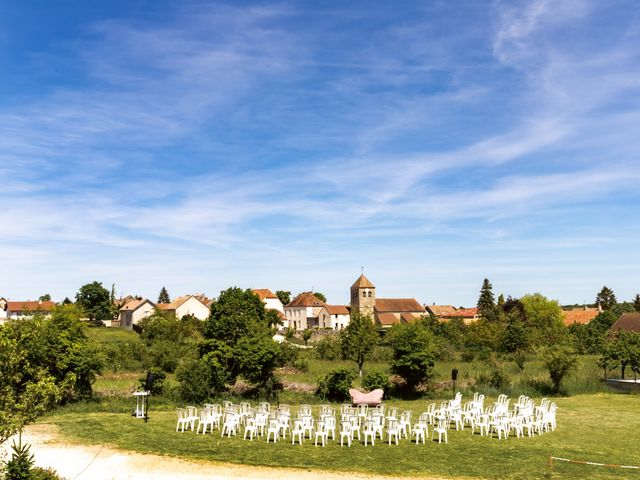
288	355
301	364
157	388
376	379
335	385
38	473
328	348
19	465
468	356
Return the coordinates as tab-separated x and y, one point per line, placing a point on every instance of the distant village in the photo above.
305	311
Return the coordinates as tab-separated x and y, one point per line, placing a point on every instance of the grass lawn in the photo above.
601	428
112	335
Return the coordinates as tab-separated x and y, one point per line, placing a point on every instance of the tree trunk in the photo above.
622	371
360	368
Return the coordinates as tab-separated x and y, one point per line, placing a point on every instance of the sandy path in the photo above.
90	462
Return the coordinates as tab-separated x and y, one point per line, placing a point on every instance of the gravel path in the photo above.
91	462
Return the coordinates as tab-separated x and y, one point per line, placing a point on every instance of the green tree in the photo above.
413	357
358	339
544	319
284	296
163	296
636	302
559	360
515	337
606	298
44	298
306	335
486	301
335	385
95	301
501	300
320	296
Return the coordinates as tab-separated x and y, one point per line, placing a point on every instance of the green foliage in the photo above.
636	302
163	296
335	385
559	360
21	462
95	301
159	377
358	339
288	354
486	301
515	337
195	382
590	337
257	358
328	348
544	319
44	298
606	298
43	361
413	347
38	473
376	379
237	313
620	308
284	296
320	296
306	335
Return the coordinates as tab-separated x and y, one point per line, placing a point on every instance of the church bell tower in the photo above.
363	296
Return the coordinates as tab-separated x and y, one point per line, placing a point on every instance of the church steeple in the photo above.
363	296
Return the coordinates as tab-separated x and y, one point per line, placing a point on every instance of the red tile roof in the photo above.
387	319
264	293
467	312
362	282
337	309
135	304
30	305
398	305
579	315
442	310
306	299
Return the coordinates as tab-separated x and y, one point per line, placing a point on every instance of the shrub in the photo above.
559	360
335	385
328	348
19	465
157	388
38	473
376	379
288	355
301	364
468	356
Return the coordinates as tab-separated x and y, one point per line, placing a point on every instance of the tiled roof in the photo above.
264	293
387	319
398	305
362	282
579	315
135	304
337	309
442	310
30	305
466	312
180	300
306	299
629	322
407	317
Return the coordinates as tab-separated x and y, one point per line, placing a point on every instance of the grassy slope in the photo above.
602	427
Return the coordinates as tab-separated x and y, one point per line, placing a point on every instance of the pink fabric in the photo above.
372	398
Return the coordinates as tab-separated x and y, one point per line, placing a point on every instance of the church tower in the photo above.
363	296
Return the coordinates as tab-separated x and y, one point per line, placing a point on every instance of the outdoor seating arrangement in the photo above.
365	424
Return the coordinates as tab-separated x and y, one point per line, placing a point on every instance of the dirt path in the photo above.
90	462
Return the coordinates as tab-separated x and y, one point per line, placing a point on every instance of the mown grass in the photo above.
601	428
112	335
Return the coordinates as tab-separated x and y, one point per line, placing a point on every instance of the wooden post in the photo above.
549	467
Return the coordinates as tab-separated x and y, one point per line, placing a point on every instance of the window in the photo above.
364	294
369	294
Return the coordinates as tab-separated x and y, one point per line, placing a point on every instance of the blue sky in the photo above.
285	145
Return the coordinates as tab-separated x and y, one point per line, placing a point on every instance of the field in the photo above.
598	428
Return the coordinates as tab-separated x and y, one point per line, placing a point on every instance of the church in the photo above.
384	311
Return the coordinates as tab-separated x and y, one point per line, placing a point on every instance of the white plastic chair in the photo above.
230	424
369	431
345	432
250	428
321	433
183	419
297	432
393	430
441	430
273	430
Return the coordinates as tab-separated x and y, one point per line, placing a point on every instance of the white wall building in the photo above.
134	311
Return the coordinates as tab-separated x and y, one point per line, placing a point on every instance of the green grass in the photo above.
601	428
112	335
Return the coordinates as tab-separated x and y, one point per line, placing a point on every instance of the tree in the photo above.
413	353
43	361
163	297
66	301
320	296
358	339
606	298
238	340
284	296
95	301
501	300
515	338
636	302
306	335
335	385
544	319
559	360
486	301
44	298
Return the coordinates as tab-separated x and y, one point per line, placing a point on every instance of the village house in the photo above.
628	322
17	310
134	311
186	305
384	311
272	302
334	317
303	311
441	311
